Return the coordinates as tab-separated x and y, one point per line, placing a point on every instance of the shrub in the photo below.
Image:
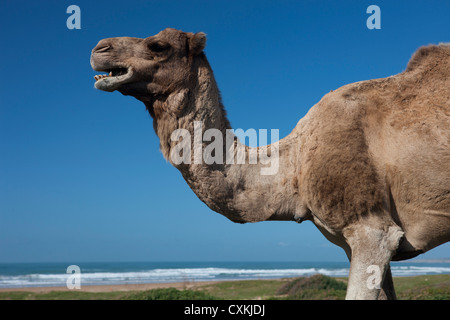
315	287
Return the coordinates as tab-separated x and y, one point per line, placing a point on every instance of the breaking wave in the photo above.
160	275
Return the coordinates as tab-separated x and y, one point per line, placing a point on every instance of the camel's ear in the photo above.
197	42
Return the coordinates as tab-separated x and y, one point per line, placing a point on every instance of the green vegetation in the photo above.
317	287
244	290
62	295
170	294
435	287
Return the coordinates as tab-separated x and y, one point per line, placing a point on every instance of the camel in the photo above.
369	164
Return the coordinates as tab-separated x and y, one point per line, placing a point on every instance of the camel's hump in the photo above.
429	55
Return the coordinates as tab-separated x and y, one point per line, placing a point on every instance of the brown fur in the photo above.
369	164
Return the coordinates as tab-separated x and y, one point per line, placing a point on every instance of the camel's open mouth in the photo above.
113	79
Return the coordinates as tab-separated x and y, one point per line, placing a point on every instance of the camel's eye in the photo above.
158	46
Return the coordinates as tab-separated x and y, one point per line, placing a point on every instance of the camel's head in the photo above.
147	68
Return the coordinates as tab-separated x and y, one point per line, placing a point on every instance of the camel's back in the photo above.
408	125
428	57
405	119
420	96
370	138
407	128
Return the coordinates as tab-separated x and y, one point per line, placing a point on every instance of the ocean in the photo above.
16	275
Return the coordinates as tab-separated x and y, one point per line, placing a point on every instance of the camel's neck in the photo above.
232	179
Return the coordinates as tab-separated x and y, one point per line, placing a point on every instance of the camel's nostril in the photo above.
102	49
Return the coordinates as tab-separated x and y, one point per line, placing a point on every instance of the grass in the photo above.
245	289
170	294
62	295
435	287
318	287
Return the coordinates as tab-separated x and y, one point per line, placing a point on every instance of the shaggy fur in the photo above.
369	164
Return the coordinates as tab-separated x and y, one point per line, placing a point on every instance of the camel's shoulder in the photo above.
351	101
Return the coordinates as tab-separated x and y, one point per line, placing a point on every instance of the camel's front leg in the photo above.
372	248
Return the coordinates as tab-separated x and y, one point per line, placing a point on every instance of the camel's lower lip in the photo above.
114	78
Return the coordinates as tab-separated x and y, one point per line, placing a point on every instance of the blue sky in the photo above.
81	175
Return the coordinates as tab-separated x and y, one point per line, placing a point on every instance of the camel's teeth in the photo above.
101	76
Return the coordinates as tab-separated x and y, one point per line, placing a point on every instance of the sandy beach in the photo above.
118	287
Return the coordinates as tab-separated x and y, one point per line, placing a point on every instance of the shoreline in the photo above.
149	286
116	287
